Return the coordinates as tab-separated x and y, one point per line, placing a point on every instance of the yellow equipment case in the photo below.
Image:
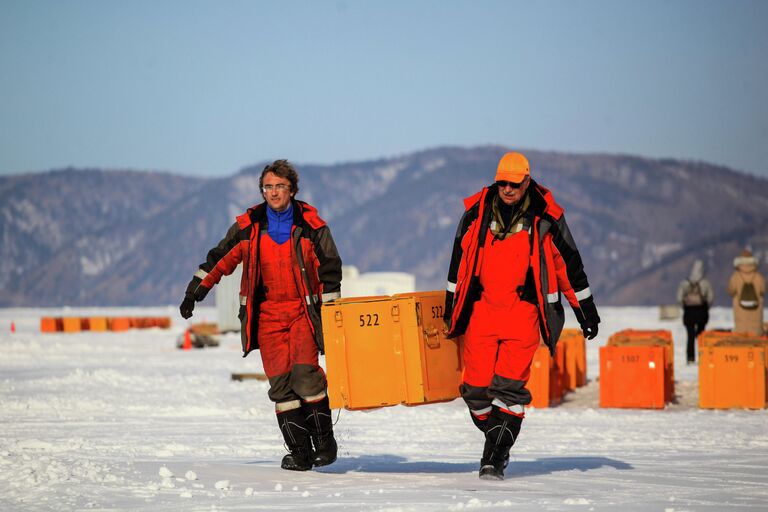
389	350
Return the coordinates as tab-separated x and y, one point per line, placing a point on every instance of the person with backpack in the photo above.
747	287
696	296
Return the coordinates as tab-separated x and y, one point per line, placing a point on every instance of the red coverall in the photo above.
503	332
285	335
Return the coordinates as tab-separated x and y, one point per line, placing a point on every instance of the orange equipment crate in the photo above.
545	381
383	351
119	323
98	323
733	374
632	376
562	371
630	337
575	358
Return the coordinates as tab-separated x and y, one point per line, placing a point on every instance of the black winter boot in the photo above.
320	423
296	435
502	430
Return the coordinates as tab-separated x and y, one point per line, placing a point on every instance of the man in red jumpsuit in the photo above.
290	267
513	257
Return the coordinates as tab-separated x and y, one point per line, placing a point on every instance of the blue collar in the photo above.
279	223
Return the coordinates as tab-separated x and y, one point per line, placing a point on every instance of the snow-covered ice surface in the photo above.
125	421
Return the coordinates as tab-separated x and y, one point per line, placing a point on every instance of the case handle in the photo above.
430	332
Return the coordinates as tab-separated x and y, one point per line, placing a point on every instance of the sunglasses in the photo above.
512	184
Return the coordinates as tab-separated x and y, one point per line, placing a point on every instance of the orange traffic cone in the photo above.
13	326
187	340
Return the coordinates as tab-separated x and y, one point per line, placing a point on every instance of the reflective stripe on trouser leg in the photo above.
497	369
513	369
287	406
476	398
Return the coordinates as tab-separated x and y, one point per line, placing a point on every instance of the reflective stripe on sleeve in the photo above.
243	300
553	297
584	294
327	297
451	287
202	274
310	299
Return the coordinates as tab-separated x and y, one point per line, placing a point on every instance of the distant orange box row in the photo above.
101	323
637	370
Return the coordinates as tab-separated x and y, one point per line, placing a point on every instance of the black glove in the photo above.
186	308
588	318
589	330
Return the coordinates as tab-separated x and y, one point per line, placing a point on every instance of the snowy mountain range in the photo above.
98	237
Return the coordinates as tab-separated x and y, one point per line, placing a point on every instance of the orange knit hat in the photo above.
512	167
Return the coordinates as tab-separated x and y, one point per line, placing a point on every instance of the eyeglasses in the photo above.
280	187
512	184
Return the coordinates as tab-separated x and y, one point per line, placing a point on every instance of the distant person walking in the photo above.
747	287
696	296
513	259
290	267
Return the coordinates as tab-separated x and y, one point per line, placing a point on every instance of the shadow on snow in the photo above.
396	464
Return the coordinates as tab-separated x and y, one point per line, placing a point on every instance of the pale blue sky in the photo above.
208	87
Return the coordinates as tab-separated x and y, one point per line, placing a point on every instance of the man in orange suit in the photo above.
513	258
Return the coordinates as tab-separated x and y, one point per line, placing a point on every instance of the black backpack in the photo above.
693	296
748	296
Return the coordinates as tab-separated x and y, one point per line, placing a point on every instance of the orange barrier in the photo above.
98	323
71	324
733	374
119	324
633	376
163	322
383	351
50	324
